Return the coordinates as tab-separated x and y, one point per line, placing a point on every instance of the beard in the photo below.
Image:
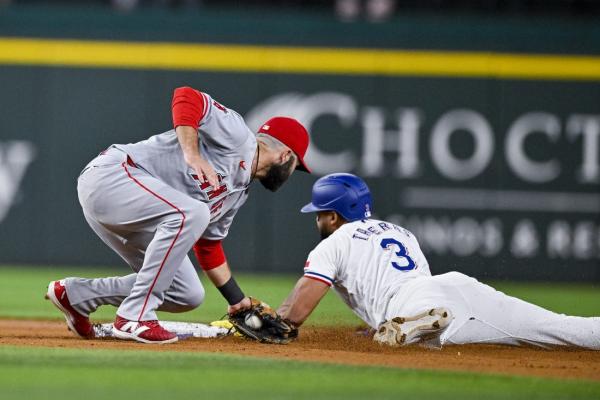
277	175
324	235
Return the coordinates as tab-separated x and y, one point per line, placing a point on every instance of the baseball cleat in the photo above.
421	328
77	323
142	331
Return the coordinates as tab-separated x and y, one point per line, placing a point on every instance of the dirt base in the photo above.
340	346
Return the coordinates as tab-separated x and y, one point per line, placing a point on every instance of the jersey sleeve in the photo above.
189	107
322	262
218	126
209	253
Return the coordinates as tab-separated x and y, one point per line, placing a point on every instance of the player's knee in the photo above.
197	219
195	298
184	301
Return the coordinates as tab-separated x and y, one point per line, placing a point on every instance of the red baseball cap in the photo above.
291	133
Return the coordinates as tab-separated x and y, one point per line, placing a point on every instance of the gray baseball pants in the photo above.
152	227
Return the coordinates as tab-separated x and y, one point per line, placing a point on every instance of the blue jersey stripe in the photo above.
319	275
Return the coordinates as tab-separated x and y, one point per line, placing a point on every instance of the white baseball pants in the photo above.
485	315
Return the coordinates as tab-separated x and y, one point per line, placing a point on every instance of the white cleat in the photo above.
424	328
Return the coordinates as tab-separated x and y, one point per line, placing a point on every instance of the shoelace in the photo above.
152	324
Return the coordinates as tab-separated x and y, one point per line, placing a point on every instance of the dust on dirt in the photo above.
340	346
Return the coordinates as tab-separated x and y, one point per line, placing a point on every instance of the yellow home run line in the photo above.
294	60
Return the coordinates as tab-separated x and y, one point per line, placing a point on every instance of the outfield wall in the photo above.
480	136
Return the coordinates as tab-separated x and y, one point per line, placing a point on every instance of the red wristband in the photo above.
188	107
209	253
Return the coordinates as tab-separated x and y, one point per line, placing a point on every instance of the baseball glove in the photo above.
260	322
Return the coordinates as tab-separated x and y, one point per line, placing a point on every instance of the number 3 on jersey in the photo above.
407	264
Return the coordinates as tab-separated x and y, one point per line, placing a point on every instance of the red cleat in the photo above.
77	323
142	331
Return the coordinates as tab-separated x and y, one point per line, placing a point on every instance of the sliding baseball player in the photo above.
380	272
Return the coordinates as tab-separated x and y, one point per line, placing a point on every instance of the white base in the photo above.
183	330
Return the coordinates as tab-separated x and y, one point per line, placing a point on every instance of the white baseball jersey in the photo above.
367	262
379	270
225	142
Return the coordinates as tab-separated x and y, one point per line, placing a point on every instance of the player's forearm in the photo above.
285	306
302	300
296	312
287	303
188	140
219	275
230	290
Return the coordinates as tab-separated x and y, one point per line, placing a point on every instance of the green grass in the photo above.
574	299
30	373
36	373
23	289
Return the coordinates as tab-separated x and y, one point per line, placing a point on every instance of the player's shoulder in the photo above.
228	118
330	243
344	231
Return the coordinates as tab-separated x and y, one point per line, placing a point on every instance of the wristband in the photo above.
232	292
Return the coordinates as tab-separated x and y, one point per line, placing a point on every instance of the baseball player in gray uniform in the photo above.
154	200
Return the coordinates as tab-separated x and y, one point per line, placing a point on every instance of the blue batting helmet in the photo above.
346	194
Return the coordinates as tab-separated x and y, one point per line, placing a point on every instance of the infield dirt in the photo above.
340	346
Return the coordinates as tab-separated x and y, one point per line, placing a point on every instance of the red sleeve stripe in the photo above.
188	107
209	253
318	279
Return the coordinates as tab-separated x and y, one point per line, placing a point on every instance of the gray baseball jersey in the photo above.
226	143
144	202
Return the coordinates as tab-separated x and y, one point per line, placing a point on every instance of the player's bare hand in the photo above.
242	305
205	171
